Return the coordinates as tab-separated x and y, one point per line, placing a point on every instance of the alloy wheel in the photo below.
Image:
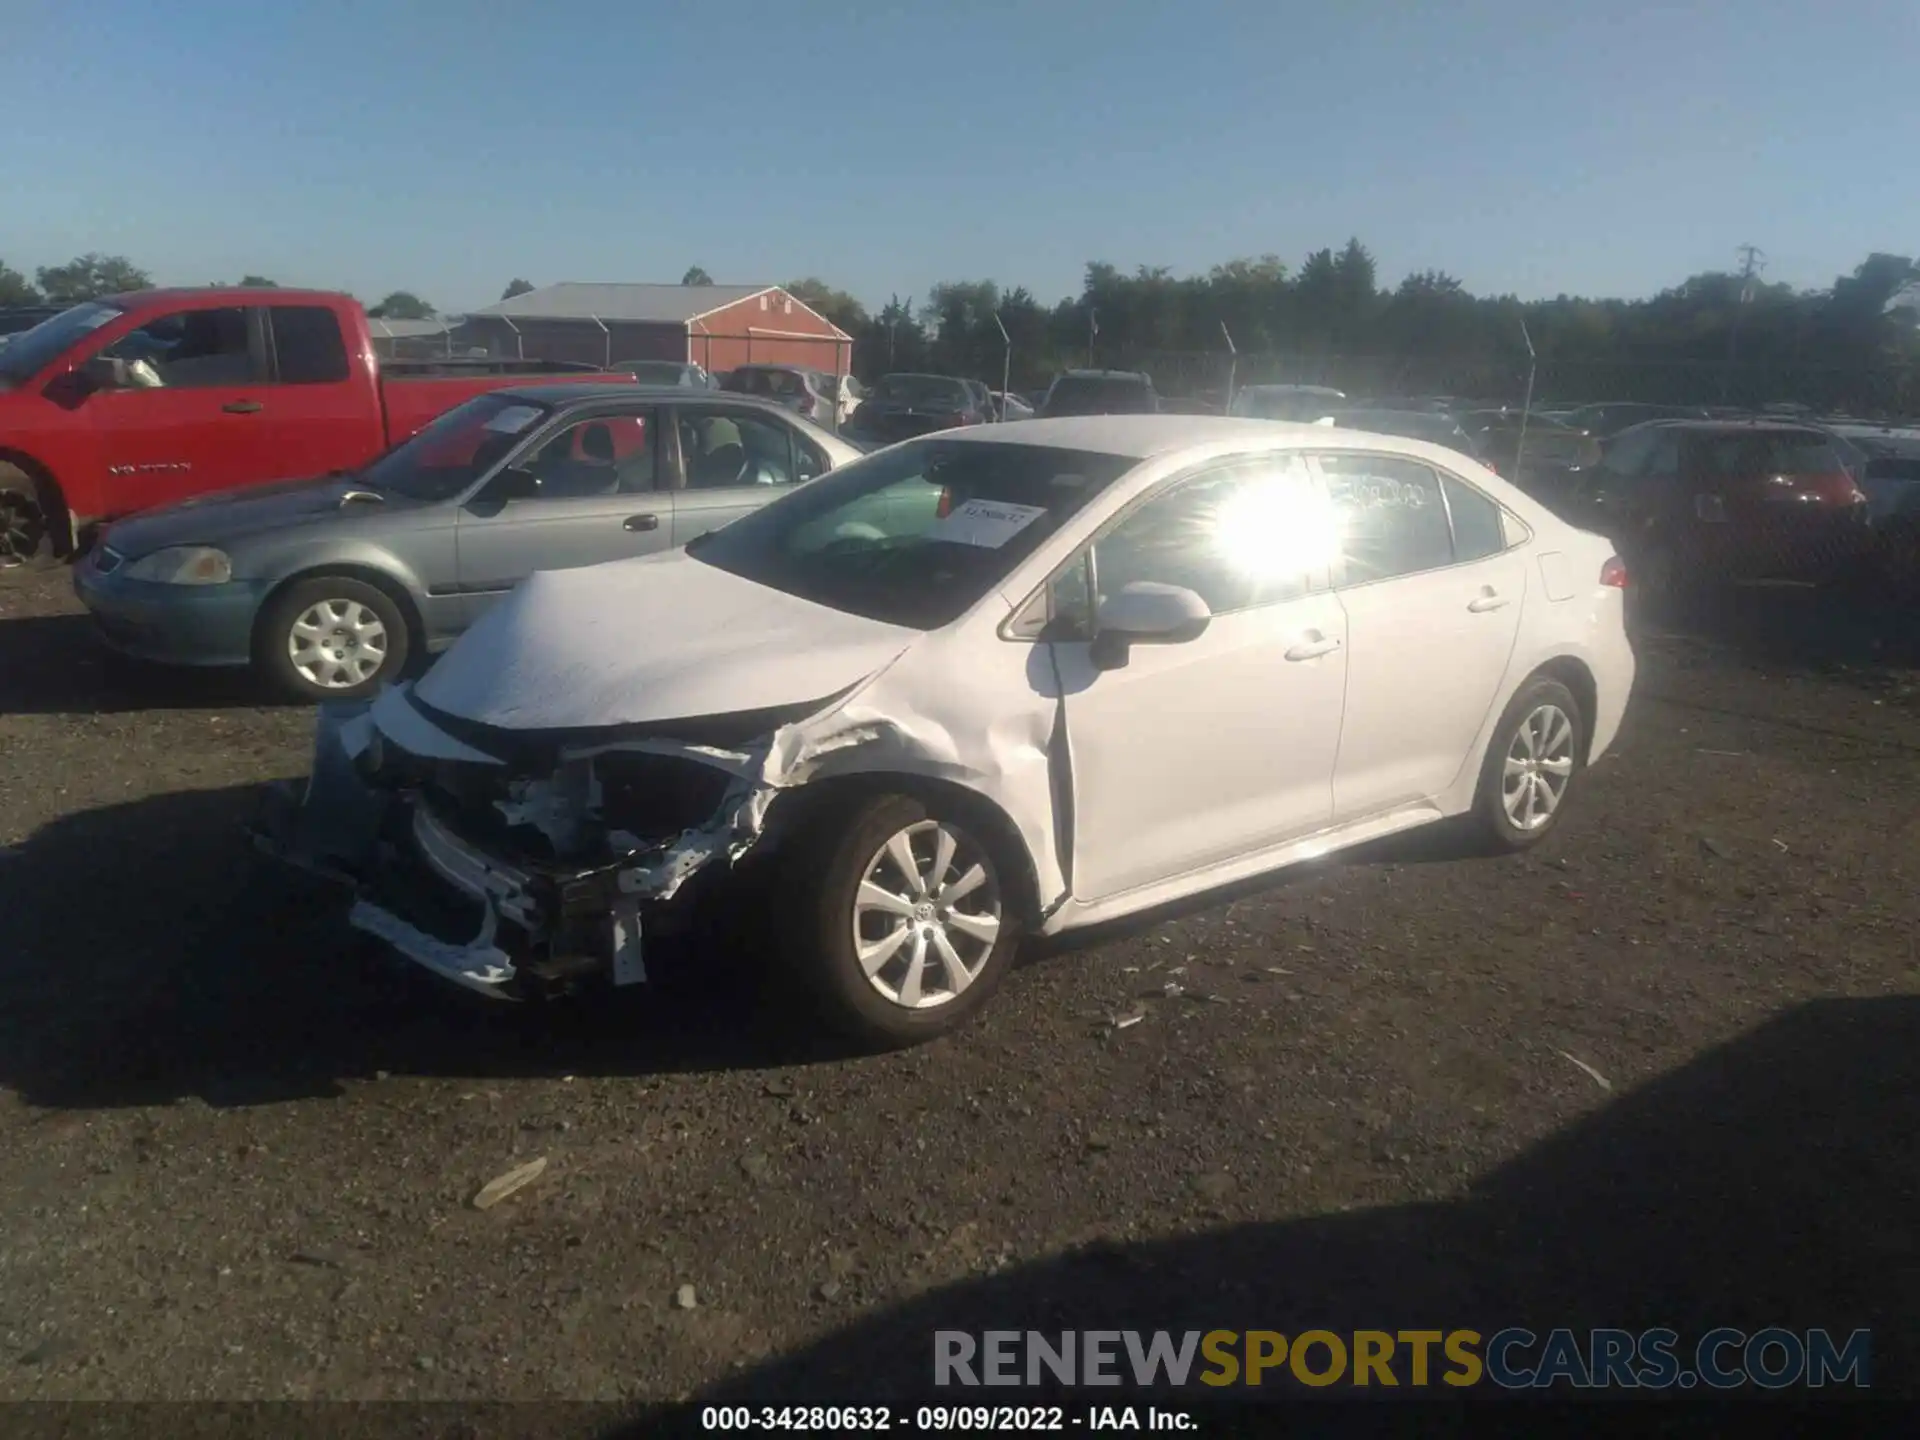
21	529
337	644
1538	769
927	915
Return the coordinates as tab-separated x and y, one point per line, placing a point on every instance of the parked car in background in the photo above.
811	394
903	405
1303	403
1431	426
328	586
137	400
667	372
1610	417
1100	392
1261	644
1696	504
1541	455
1009	406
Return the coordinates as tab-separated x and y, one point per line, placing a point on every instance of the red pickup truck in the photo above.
132	401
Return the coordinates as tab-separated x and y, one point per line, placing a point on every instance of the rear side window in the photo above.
1392	518
1735	457
1477	530
308	345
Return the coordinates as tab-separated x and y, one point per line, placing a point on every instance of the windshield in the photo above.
767	382
917	534
1087	395
31	351
455	450
921	390
1284	403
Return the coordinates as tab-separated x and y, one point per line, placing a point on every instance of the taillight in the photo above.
1614	573
945	507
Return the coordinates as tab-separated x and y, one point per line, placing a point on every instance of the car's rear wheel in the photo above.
902	919
1536	754
332	637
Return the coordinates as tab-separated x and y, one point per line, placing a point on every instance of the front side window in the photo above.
190	350
1391	517
915	535
724	448
600	455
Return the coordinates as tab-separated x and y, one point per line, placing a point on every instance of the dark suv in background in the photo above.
1695	504
1101	392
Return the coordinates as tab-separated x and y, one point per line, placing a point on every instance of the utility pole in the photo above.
1752	261
1093	334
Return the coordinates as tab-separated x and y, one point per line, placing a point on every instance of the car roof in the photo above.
1140	375
1140	437
581	393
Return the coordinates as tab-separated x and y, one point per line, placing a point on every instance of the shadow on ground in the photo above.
56	665
1772	1181
148	953
1795	628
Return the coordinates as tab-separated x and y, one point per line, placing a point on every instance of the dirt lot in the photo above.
1666	1068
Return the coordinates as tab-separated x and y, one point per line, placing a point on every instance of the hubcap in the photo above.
337	644
1538	769
926	916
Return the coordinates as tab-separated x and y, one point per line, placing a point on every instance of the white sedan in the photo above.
1001	681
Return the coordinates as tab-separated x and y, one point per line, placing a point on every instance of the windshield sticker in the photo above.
514	419
988	524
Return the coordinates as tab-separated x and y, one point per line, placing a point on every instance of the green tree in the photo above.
15	288
516	286
696	276
258	282
837	305
402	305
89	276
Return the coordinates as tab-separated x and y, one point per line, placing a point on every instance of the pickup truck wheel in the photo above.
902	924
23	519
331	637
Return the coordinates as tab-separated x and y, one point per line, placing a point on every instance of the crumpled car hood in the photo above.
663	637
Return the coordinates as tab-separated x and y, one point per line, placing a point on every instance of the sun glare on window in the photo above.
1277	526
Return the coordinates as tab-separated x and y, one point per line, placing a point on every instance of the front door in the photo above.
598	498
1433	605
196	414
735	459
1192	754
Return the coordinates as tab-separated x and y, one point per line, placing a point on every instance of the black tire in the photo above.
273	634
25	531
1495	825
822	878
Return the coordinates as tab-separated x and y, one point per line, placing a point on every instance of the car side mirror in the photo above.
104	372
1146	612
514	483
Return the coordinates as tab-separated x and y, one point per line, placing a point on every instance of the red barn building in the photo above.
715	326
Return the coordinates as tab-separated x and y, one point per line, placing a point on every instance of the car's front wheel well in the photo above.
1573	673
799	813
367	575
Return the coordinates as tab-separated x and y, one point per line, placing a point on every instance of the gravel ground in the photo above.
1664	1067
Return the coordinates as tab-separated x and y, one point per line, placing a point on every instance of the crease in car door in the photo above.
734	460
599	500
1196	753
1433	612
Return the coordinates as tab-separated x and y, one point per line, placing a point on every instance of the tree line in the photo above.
1720	336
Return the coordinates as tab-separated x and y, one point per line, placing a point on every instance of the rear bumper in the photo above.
170	624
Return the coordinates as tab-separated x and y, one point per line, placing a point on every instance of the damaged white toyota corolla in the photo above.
1005	681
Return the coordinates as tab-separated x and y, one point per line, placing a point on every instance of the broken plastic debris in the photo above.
1131	1018
501	1186
686	1297
1598	1078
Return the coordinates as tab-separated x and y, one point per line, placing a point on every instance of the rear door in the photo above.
1432	595
734	459
600	497
194	417
323	415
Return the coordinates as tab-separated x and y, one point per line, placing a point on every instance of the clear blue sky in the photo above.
446	147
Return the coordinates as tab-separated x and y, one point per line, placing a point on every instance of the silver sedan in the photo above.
329	586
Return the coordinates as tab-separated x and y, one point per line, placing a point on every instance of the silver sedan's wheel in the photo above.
337	644
1539	767
927	915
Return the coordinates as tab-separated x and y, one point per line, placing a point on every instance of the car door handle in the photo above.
1481	604
243	407
642	522
1313	649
